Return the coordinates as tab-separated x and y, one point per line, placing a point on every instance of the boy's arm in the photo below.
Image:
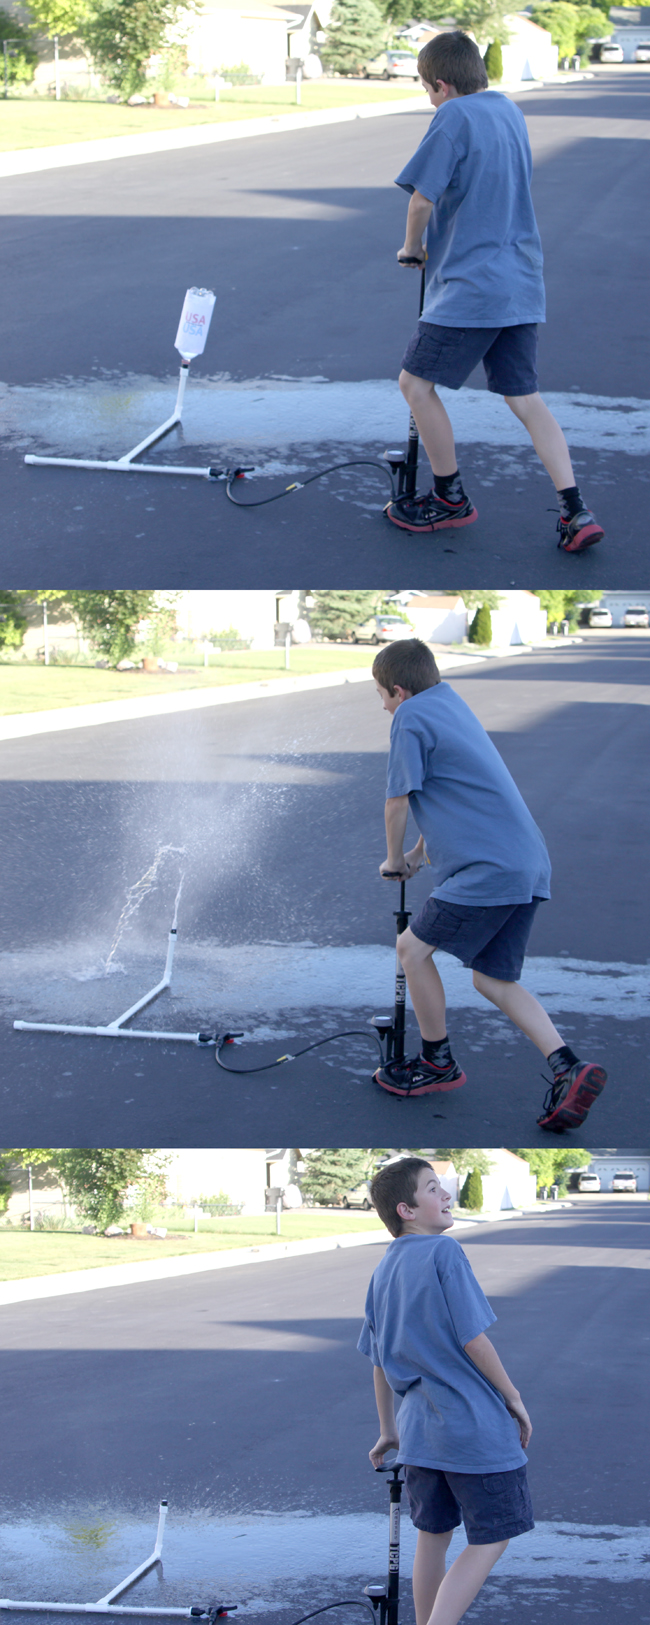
396	815
484	1355
388	1436
417	221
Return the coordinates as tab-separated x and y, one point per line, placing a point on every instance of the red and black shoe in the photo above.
580	532
570	1097
430	512
409	1079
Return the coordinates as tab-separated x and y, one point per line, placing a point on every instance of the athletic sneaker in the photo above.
580	532
430	512
570	1096
419	1077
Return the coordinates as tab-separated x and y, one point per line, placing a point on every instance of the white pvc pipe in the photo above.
143	1568
109	1032
94	1608
148	998
117	467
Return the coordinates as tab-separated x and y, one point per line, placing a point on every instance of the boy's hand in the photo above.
386	1441
518	1410
397	870
412	258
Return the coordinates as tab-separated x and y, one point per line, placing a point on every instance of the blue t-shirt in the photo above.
483	845
485	256
424	1304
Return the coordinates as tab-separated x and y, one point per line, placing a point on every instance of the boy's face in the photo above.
390	702
429	1214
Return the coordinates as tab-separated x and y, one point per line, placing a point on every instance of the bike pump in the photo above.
393	1028
385	1598
405	464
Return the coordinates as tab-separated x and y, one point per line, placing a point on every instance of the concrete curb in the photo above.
25	723
31	160
92	1280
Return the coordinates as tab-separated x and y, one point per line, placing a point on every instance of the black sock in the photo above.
437	1050
449	487
561	1059
571	502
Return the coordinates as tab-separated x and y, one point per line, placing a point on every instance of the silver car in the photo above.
636	615
624	1180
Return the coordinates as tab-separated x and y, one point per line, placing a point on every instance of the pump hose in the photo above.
346	1602
360	462
243	1071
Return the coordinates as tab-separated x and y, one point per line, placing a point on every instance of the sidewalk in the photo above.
24	724
29	160
92	1280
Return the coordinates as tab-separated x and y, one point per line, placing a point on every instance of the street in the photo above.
241	1397
304	350
285	928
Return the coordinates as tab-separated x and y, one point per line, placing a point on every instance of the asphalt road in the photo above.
243	1399
285	928
307	224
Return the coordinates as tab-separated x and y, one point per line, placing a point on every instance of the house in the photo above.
631	27
306	34
528	54
607	1163
437	617
519	619
618	602
509	1184
227	33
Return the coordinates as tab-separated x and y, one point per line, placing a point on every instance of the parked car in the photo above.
606	51
382	629
642	53
588	1181
637	614
599	616
624	1180
392	65
359	1197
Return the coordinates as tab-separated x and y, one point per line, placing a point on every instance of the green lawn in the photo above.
51	1252
39	122
27	687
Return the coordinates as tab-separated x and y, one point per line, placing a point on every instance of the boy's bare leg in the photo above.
546	435
463	1580
424	985
428	1571
527	1013
434	427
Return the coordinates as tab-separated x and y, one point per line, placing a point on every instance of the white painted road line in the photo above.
87	417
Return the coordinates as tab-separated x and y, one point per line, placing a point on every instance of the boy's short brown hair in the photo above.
456	59
408	662
397	1182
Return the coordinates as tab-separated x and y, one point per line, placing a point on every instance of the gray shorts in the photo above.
488	939
492	1506
447	355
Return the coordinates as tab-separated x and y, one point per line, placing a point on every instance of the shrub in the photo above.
471	1195
493	60
481	628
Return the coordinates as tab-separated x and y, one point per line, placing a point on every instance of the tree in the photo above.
356	32
21	56
481	628
122	35
471	599
471	1195
549	1164
570	26
493	60
110	620
332	1172
97	1181
564	606
466	1159
13	625
485	19
337	613
62	17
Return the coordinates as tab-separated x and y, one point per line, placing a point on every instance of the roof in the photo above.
261	9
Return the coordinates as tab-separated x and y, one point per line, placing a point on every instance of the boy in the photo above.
490	869
462	1424
470	190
